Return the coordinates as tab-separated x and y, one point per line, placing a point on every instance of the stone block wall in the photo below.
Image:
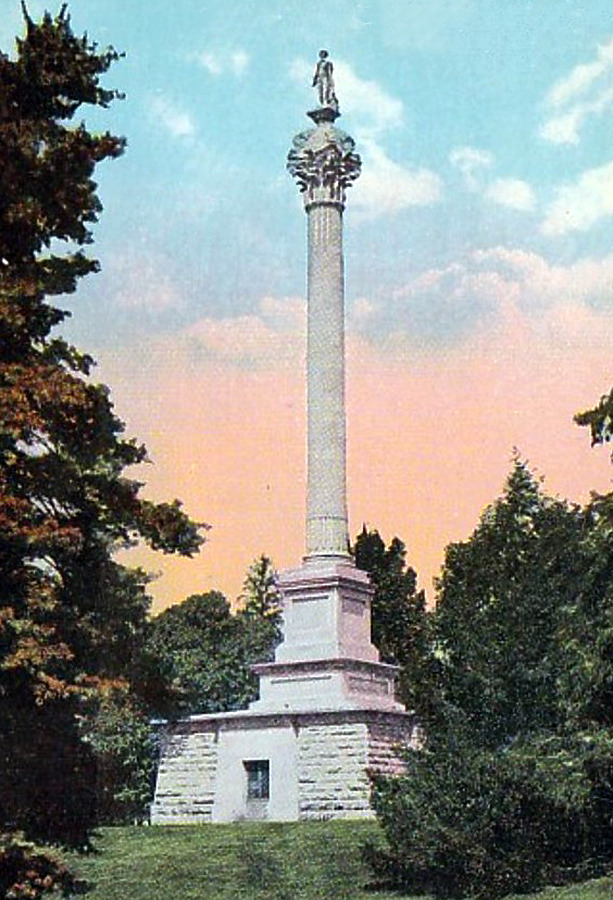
386	740
320	764
332	779
185	789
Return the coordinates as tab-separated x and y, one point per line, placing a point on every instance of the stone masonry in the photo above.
185	790
334	754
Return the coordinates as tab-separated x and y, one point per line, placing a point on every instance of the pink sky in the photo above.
430	433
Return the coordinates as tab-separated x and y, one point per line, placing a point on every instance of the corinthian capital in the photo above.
324	163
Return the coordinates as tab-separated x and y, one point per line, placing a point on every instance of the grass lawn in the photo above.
301	861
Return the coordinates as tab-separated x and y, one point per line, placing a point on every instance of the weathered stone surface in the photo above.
332	779
185	789
319	764
386	743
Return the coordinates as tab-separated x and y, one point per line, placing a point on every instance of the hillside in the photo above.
254	861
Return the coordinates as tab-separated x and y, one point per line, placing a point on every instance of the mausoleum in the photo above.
327	714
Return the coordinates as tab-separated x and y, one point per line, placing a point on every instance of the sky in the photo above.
479	260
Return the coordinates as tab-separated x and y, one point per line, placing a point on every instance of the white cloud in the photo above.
541	285
511	192
371	108
386	186
582	77
475	166
580	205
585	91
218	63
489	290
471	162
176	121
272	337
564	128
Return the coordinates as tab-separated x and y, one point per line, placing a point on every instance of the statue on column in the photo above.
324	81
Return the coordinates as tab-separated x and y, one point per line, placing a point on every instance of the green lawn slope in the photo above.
298	861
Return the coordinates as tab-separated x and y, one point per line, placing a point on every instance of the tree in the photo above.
70	614
260	596
513	787
500	596
399	622
124	744
599	420
205	653
589	623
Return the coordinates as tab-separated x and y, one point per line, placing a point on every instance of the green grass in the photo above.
253	861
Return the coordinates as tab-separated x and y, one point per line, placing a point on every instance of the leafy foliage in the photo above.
399	623
28	872
123	741
205	652
70	615
495	627
513	787
260	596
470	822
599	419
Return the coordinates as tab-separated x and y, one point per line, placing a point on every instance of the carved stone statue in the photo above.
323	160
324	82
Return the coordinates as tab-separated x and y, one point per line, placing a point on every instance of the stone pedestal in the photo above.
319	763
326	718
326	660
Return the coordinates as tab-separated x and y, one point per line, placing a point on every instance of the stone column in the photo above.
323	162
326	528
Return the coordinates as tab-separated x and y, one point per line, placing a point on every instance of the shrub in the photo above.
28	872
467	821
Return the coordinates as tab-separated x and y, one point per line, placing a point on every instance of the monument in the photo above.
327	714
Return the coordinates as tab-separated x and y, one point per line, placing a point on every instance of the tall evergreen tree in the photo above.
500	597
513	785
589	625
260	595
399	622
69	613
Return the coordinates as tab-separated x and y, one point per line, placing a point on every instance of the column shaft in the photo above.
327	530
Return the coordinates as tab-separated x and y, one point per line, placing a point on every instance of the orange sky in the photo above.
430	435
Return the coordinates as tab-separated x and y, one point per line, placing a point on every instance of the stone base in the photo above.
326	684
326	612
327	717
318	764
324	114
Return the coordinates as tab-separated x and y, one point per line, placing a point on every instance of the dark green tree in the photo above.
260	596
495	627
599	420
70	615
399	621
589	625
205	653
124	744
512	787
